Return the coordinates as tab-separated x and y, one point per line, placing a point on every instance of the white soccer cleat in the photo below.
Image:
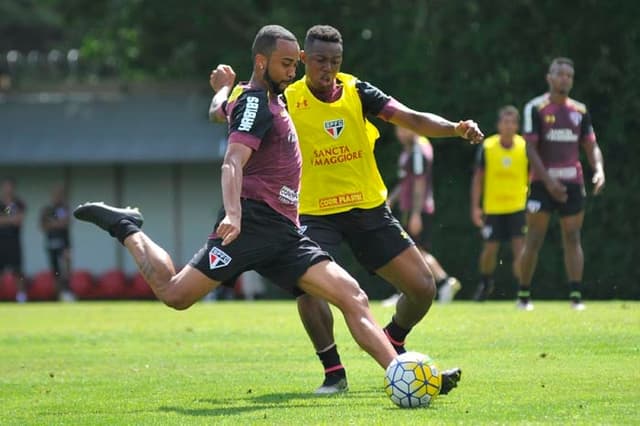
524	306
448	290
578	306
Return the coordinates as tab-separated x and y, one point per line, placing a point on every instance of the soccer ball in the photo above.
412	380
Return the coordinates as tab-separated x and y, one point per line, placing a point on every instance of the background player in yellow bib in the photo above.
500	180
342	195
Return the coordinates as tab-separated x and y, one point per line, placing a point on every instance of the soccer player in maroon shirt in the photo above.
257	229
555	126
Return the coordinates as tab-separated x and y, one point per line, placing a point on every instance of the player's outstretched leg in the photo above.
177	290
329	281
109	217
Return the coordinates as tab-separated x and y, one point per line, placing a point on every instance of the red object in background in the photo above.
112	285
138	288
43	287
8	287
81	284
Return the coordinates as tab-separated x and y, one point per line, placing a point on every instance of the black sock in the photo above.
396	335
486	280
123	229
575	288
330	359
442	281
524	294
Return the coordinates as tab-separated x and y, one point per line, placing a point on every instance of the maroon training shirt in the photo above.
557	131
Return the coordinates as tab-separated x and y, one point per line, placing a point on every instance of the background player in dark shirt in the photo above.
54	221
258	225
12	211
555	126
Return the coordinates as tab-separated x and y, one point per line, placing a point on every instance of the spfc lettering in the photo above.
218	258
334	127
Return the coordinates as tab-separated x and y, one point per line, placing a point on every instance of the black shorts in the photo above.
503	227
56	258
374	235
424	238
10	255
541	200
268	243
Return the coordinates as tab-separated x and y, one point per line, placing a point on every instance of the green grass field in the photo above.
251	363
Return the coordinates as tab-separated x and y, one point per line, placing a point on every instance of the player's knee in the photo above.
423	291
177	300
358	299
572	237
534	240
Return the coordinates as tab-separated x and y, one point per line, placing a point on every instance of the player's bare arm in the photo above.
557	190
594	155
221	80
432	125
235	158
476	193
393	196
414	226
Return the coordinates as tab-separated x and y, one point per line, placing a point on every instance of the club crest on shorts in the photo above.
218	258
334	127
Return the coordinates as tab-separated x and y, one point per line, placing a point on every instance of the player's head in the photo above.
508	120
405	136
275	56
560	76
58	194
322	56
8	186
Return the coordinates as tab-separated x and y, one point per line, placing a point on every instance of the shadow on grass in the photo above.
237	406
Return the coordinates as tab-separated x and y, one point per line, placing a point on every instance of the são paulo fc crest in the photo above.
218	258
334	127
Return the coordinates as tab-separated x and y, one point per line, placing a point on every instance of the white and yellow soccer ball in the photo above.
412	380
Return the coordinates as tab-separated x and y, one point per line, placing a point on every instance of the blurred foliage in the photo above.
460	59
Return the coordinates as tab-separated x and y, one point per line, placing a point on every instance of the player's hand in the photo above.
557	190
476	216
222	76
415	224
598	181
229	229
468	129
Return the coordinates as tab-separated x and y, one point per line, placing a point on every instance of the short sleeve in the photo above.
587	134
531	123
250	118
372	98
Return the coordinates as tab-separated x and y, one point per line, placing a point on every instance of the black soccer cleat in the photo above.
106	216
332	385
450	379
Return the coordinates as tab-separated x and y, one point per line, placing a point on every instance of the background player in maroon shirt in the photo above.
555	126
414	194
257	229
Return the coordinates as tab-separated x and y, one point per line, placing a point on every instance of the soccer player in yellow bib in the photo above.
342	195
499	195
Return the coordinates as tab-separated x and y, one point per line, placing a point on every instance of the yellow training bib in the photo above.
505	176
339	170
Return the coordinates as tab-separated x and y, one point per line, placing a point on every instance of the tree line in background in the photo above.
460	59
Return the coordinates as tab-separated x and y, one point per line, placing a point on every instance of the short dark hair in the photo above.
508	110
265	41
322	33
9	179
560	61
